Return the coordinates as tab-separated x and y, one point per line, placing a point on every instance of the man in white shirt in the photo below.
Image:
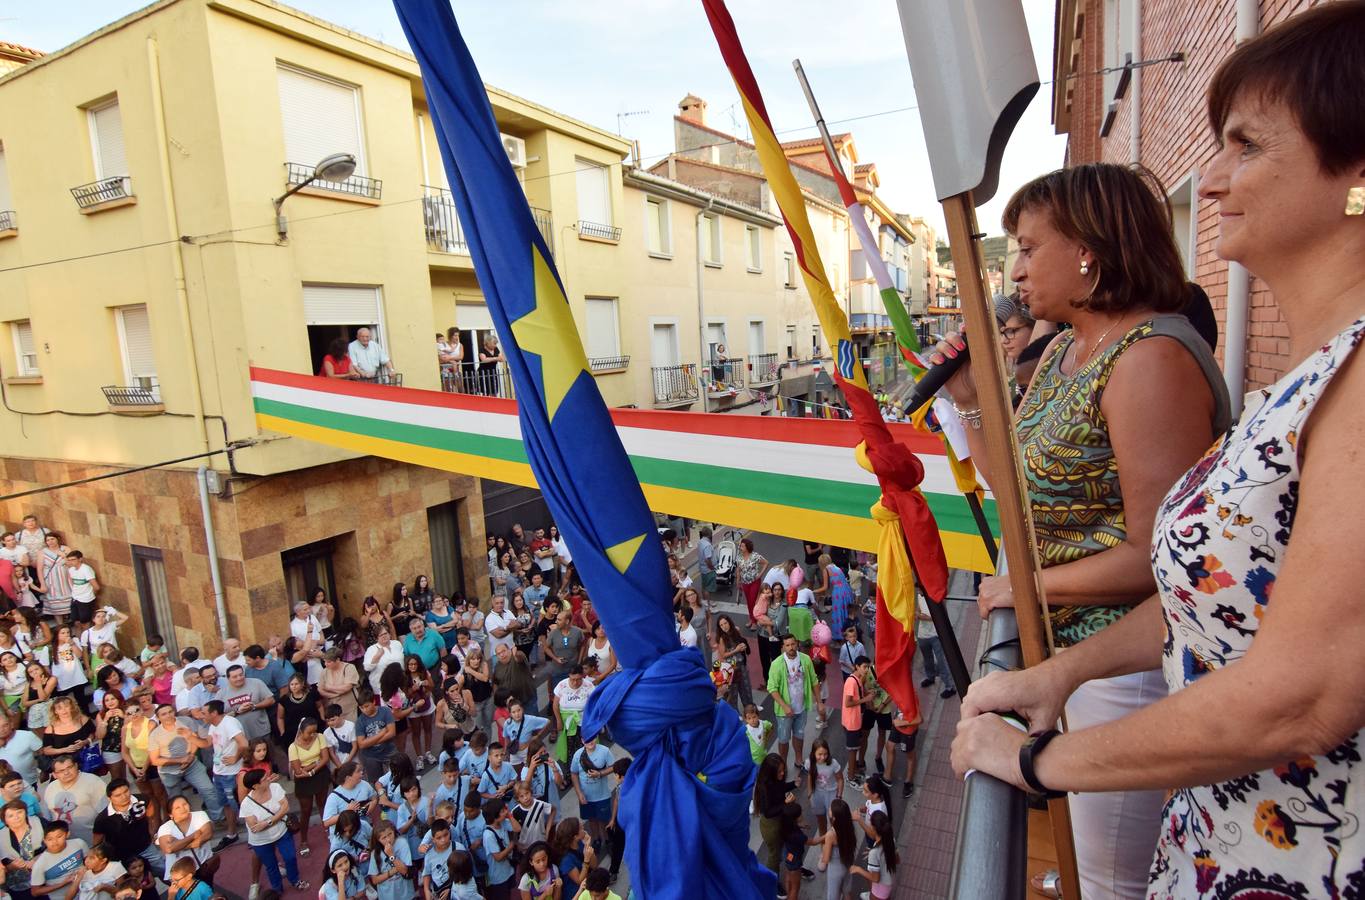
780	575
367	356
229	749
687	635
12	551
74	797
84	587
500	624
231	656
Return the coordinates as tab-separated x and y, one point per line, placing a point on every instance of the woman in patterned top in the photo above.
1258	621
1122	403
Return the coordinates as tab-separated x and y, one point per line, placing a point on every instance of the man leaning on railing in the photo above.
369	358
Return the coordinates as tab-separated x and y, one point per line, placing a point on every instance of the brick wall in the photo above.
1175	140
375	509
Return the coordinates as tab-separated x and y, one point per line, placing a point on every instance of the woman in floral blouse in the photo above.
1258	621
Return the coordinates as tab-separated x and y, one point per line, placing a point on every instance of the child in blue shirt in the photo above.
498	844
453	786
468	831
390	864
412	815
436	879
498	775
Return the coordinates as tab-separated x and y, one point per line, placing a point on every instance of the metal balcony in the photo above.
725	378
601	364
106	190
355	186
598	230
675	385
394	379
763	369
8	220
136	396
441	221
468	378
546	225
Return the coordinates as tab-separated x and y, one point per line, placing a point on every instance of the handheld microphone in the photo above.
934	380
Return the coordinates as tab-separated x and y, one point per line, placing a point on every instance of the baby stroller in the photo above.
725	565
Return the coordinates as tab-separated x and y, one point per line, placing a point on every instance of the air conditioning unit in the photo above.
516	150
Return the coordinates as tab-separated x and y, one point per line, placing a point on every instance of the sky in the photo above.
625	65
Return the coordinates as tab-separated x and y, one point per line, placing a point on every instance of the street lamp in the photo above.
337	167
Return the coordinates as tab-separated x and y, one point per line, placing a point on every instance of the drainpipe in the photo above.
1135	88
1248	25
701	303
211	543
177	258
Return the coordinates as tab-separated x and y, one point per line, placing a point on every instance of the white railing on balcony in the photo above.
8	220
441	221
763	368
675	385
724	377
472	378
103	191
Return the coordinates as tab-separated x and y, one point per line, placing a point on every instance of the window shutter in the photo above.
755	248
27	352
602	339
5	200
325	304
137	342
594	198
321	117
757	344
106	126
654	217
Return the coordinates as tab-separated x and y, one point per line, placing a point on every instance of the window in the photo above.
106	140
333	311
710	240
149	571
815	342
321	117
447	560
657	227
664	344
755	243
25	352
594	193
308	568
135	341
603	340
6	201
715	337
757	343
1184	225
791	342
1117	43
789	270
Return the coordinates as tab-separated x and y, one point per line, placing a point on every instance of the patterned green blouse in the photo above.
1069	465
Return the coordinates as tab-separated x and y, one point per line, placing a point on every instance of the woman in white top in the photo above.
307	631
264	809
384	652
68	663
599	650
103	630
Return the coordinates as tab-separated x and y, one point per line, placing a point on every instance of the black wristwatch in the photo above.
1027	753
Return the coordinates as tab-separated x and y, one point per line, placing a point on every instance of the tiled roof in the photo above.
8	49
837	139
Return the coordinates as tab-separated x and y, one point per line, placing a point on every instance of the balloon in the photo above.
797	578
820	634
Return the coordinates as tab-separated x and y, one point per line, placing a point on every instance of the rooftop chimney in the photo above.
693	109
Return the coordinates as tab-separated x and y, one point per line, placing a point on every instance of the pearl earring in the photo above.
1085	267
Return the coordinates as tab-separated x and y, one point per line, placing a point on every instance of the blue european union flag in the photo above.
692	774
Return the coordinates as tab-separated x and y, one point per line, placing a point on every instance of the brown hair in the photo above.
1121	216
1306	63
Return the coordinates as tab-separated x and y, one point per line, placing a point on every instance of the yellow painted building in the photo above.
144	271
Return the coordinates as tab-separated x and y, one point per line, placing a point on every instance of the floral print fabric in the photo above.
1220	537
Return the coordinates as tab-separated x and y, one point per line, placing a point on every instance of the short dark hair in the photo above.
115	785
215	707
255	651
236	668
493	808
1303	63
252	778
56	825
1121	215
599	879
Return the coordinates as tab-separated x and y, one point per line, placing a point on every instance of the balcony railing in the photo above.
471	378
441	222
598	230
546	224
394	379
600	364
105	190
355	186
8	220
725	377
675	385
134	395
763	368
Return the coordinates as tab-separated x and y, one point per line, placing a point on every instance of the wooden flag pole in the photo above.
1007	477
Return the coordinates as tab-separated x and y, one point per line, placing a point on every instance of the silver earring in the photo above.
1085	267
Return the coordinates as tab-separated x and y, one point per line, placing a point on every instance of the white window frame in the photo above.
16	330
667	321
98	157
665	218
615	303
763	333
130	378
1186	195
1118	39
753	247
714	241
789	270
361	161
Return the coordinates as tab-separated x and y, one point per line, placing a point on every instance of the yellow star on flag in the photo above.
549	332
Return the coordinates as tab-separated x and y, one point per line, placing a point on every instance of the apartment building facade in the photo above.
1155	115
146	271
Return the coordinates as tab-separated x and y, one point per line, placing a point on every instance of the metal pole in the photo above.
990	857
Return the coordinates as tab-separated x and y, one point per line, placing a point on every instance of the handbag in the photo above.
38	715
291	822
91	758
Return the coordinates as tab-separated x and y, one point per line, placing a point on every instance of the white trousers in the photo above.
1115	832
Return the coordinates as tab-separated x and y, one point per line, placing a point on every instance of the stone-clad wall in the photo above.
375	509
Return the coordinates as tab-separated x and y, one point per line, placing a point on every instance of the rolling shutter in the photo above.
594	197
106	130
602	339
326	304
321	117
137	342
